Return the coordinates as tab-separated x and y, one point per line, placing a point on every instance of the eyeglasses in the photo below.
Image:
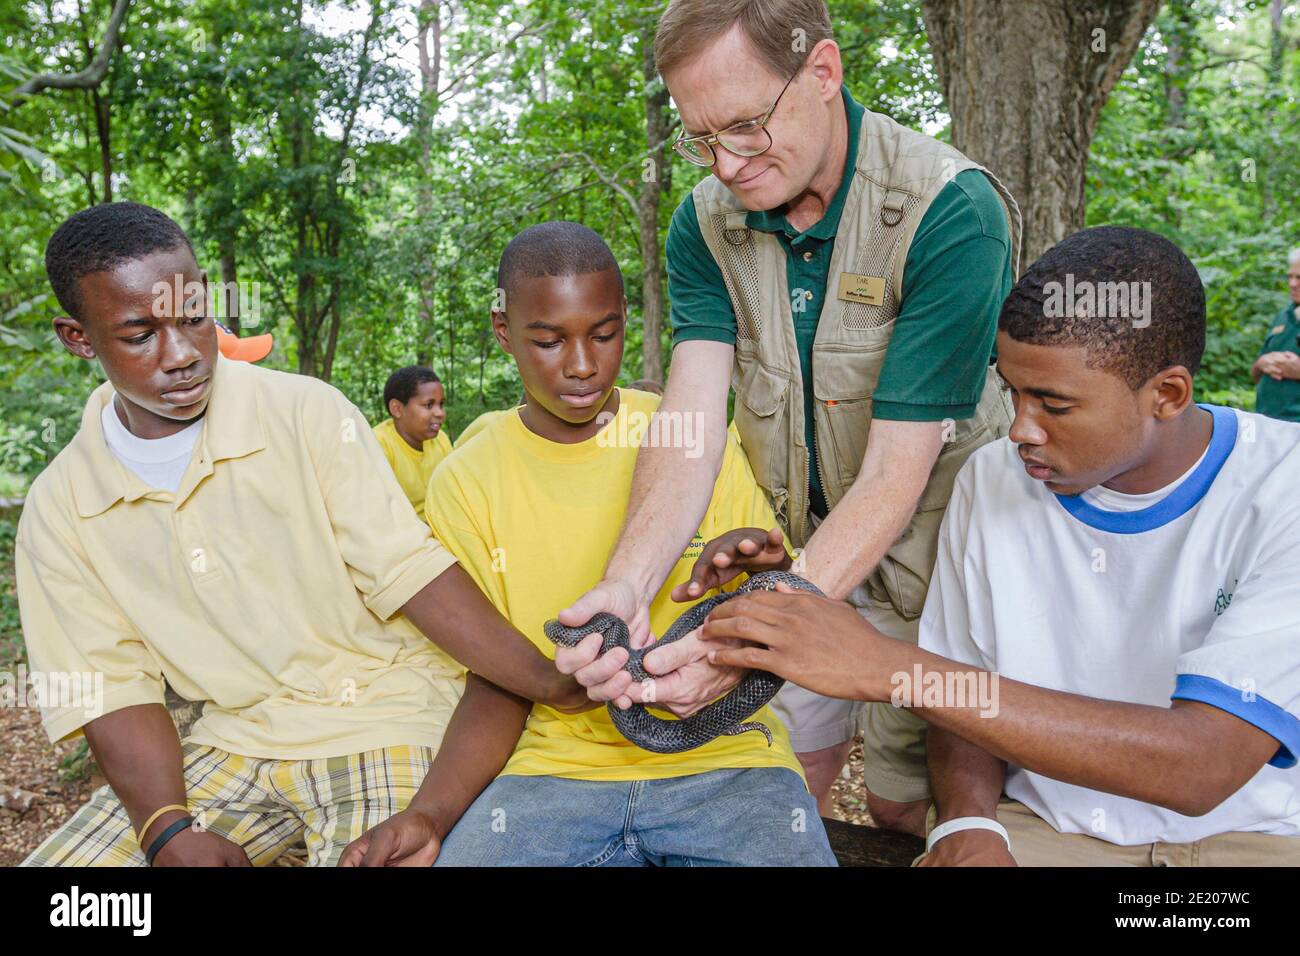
746	138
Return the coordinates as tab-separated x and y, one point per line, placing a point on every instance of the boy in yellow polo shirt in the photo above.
235	532
531	509
412	437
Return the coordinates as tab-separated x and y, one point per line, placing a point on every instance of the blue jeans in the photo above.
755	817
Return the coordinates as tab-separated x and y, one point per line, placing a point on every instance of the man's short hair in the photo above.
100	239
557	248
405	383
782	32
1089	290
1293	257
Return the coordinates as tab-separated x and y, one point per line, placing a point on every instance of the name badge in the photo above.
869	290
1276	329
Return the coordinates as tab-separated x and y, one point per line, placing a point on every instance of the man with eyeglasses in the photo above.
844	275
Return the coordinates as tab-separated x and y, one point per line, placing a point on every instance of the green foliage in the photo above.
294	142
1194	145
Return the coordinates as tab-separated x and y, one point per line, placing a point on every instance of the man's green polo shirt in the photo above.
957	273
1280	399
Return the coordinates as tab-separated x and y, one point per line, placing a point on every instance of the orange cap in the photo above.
254	348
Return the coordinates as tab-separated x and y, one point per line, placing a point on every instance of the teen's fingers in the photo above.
743	628
749	658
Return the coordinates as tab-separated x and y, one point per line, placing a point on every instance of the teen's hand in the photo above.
408	838
603	675
970	848
814	641
727	555
193	847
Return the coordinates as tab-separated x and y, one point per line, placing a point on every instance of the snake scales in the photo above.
728	715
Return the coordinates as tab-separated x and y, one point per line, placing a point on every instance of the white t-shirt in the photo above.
1195	596
159	462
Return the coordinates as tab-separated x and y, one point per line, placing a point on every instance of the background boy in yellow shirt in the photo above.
531	509
412	436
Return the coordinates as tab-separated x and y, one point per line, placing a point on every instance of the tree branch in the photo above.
90	77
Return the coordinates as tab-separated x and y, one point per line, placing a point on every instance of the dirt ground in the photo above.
28	763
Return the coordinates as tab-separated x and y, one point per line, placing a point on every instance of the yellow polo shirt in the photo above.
268	585
534	522
412	467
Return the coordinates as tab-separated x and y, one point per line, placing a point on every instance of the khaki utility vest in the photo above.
897	174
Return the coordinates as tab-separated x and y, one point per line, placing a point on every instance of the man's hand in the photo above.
970	848
818	643
409	838
1279	365
193	847
603	675
742	550
684	679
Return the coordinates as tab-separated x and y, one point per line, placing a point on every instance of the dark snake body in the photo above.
726	716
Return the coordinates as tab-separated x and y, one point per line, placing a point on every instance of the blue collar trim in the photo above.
1183	499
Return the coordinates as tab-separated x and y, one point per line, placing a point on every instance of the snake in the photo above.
728	715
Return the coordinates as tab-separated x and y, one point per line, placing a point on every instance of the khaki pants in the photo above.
893	739
1035	842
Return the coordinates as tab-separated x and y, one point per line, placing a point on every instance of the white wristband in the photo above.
965	823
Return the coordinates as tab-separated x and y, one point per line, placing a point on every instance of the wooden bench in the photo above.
856	845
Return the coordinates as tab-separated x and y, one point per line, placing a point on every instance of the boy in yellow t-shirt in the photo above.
531	509
412	437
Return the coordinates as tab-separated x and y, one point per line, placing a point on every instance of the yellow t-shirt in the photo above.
478	424
412	467
534	521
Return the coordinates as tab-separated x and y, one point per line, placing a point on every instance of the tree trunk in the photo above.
1025	84
652	283
225	216
430	21
104	130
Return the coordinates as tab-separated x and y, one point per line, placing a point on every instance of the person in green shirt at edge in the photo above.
1277	370
861	366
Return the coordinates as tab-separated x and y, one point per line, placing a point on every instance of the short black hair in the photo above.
405	382
1100	266
100	239
556	248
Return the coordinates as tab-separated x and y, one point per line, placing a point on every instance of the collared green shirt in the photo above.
957	273
1280	399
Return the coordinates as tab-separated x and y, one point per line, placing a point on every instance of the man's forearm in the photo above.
671	488
452	612
140	753
480	738
966	780
1152	754
873	513
670	494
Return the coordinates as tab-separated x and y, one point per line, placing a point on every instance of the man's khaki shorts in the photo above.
893	739
1035	842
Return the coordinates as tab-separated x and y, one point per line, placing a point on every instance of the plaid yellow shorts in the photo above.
263	805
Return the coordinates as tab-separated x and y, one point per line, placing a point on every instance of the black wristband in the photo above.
161	840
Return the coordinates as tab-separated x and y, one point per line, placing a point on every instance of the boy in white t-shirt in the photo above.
1112	635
